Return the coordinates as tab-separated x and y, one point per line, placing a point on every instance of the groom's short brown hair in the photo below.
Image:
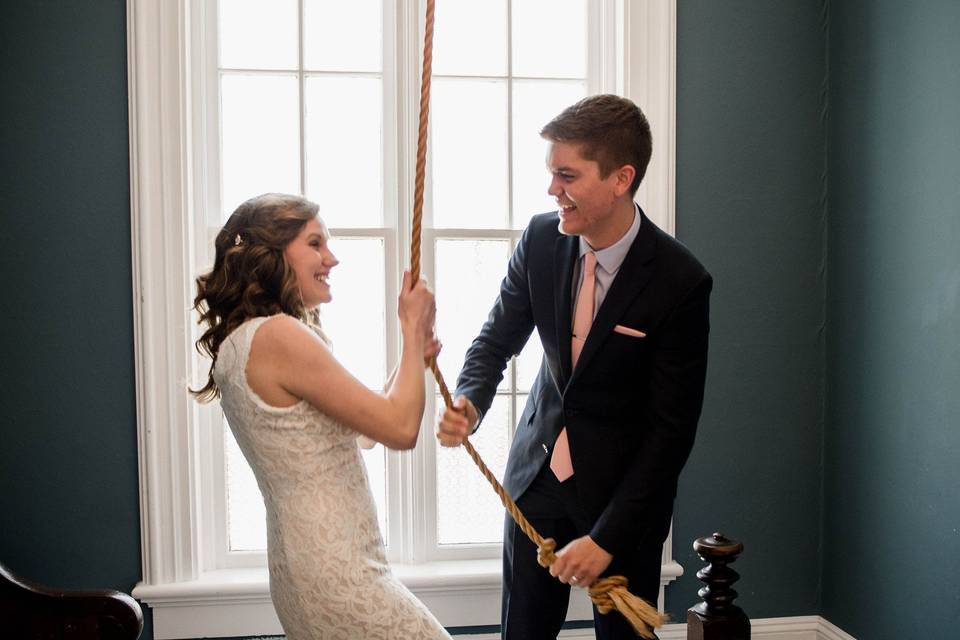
612	131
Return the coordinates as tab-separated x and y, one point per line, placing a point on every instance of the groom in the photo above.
622	311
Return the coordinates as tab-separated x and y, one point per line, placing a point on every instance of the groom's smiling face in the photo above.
586	200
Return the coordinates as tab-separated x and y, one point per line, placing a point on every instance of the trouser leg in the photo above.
642	570
534	603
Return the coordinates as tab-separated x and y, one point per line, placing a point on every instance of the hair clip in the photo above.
237	241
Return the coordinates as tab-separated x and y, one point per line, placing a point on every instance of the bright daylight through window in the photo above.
313	120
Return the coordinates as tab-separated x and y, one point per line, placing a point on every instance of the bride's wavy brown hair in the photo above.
250	275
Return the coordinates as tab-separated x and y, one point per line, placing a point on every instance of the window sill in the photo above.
236	602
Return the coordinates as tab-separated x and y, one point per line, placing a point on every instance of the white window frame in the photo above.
168	188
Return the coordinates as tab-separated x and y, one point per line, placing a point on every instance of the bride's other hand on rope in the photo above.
456	424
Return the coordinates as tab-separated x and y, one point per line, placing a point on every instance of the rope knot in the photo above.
610	593
545	552
600	592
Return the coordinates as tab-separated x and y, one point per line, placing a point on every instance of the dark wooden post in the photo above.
717	618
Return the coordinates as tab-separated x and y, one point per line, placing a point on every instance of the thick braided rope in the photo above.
416	231
607	593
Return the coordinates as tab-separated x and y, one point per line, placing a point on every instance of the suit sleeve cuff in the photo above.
605	541
479	420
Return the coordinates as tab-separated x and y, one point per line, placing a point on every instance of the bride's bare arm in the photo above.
431	350
293	358
366	442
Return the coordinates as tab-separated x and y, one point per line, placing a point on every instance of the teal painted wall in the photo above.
68	458
892	489
749	203
68	454
68	462
750	147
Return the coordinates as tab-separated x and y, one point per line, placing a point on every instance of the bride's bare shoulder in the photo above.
286	334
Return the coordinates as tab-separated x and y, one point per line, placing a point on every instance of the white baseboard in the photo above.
829	631
793	628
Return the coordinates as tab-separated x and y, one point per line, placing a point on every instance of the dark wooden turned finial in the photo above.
717	618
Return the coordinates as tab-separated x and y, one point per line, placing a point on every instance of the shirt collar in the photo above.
613	256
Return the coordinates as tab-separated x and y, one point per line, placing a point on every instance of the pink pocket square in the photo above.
627	331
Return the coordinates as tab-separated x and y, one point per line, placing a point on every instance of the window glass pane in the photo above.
469	140
344	122
468	275
355	320
528	363
535	103
260	136
375	460
468	509
550	38
246	516
258	35
342	36
470	38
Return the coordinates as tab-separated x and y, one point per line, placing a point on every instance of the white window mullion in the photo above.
206	117
205	84
425	492
510	203
213	489
410	507
395	462
302	98
391	63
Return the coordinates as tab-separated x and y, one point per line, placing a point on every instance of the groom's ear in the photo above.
624	178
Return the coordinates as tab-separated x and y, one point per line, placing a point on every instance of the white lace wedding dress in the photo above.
329	578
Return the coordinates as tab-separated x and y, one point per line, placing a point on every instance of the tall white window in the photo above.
307	105
232	98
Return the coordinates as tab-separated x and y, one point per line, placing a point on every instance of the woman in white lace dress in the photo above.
296	414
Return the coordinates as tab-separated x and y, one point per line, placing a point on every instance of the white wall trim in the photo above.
161	246
647	74
164	52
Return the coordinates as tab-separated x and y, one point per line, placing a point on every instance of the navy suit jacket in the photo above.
631	406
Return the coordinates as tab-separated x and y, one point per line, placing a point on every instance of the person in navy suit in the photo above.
622	311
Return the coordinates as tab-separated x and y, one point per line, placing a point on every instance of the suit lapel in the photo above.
564	258
635	272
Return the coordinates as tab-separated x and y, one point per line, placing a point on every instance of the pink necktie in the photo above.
560	462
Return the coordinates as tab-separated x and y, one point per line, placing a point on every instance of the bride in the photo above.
296	414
